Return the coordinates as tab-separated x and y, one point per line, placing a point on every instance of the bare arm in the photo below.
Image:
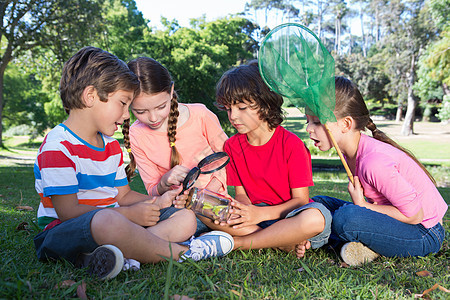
356	192
67	206
251	214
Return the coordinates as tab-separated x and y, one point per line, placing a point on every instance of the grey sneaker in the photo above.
356	254
214	243
105	261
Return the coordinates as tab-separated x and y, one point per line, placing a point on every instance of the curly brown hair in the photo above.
245	84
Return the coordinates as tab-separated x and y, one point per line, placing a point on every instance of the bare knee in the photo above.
187	219
312	219
108	225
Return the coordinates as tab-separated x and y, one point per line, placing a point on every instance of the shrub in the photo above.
23	129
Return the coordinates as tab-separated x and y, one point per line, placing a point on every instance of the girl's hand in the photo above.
356	192
180	200
166	199
244	215
173	177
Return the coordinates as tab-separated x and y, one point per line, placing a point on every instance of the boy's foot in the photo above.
356	254
214	243
300	248
105	261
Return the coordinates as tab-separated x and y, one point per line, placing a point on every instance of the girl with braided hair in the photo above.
169	138
397	209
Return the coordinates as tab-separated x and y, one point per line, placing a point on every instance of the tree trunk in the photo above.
398	115
445	89
408	124
3	63
1	108
361	15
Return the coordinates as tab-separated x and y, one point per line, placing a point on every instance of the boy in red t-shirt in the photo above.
270	169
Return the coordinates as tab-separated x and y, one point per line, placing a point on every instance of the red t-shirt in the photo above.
269	172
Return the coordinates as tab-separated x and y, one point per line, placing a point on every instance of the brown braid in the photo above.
175	158
126	141
381	136
349	102
154	78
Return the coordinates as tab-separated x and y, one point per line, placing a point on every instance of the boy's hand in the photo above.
166	199
244	215
356	192
144	213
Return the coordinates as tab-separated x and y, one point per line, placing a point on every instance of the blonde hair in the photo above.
154	78
349	102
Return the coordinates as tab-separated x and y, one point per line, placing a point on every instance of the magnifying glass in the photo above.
208	165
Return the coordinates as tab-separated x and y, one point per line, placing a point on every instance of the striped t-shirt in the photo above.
66	164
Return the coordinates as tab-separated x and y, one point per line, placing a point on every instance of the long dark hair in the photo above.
349	102
154	78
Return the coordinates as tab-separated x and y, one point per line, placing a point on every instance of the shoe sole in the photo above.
356	254
101	256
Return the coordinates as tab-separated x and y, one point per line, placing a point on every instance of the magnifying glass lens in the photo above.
190	178
214	165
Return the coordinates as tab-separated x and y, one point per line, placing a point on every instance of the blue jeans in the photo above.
381	233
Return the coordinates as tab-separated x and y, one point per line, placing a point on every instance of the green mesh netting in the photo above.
294	63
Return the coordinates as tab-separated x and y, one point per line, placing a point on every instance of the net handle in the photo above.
344	162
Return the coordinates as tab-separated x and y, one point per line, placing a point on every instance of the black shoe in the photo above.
105	261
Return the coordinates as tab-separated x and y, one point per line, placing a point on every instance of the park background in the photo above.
399	58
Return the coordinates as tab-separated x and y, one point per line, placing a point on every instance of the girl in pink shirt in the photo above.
169	138
397	209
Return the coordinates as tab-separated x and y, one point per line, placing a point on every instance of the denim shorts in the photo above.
165	213
168	211
67	240
72	237
316	241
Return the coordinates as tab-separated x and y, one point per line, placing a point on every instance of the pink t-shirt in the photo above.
200	136
269	172
390	177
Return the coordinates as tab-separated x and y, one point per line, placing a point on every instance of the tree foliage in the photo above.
403	44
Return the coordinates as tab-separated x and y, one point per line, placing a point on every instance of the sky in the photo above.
183	10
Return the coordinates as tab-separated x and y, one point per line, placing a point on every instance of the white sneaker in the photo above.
214	243
356	254
131	264
105	261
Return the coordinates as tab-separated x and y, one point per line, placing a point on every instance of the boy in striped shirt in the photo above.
88	213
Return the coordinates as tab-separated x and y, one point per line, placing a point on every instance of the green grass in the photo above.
265	274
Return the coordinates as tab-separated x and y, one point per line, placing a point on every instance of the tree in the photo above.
123	26
197	57
21	23
27	100
27	24
340	10
406	32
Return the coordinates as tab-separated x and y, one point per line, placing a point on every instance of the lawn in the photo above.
265	274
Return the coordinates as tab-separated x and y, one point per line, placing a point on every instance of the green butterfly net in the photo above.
295	64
